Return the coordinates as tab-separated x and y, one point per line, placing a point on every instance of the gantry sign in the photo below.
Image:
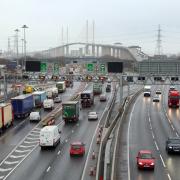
159	67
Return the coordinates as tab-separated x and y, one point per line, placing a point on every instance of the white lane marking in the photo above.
66	140
26	146
48	169
32	142
59	152
149	120
172	127
156	145
38	129
34	135
16	157
35	131
72	131
162	161
11	162
150	126
30	138
177	134
4	170
152	134
22	151
20	162
90	147
129	173
1	177
169	177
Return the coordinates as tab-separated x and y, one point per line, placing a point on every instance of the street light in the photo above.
24	27
3	73
17	38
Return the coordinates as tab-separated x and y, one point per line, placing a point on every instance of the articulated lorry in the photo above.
22	105
70	111
87	98
6	116
61	85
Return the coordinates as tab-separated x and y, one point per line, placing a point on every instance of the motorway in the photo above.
147	126
51	164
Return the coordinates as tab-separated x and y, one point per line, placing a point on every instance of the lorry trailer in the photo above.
22	105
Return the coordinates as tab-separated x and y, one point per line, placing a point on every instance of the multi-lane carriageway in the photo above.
21	157
147	126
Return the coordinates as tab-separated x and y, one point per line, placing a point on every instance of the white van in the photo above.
48	104
49	136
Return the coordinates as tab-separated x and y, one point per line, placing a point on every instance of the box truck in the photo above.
61	86
70	111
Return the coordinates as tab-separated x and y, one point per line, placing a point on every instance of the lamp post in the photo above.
24	64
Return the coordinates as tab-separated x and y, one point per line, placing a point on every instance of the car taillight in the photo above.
152	164
140	163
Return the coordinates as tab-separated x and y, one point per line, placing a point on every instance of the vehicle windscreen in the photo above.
85	96
76	147
145	156
174	97
174	141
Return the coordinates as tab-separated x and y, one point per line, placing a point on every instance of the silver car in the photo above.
34	116
92	116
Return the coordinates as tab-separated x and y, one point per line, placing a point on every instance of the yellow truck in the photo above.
28	89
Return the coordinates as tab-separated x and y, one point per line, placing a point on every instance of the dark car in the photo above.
108	88
173	145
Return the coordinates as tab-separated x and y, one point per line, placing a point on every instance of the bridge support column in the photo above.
87	49
118	53
67	50
103	51
60	51
93	50
113	53
97	51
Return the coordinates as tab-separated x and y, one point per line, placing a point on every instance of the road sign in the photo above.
90	67
43	67
102	68
56	68
50	68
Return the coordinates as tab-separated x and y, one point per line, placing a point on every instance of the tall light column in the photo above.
17	45
24	27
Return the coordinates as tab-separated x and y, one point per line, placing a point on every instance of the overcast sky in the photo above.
131	22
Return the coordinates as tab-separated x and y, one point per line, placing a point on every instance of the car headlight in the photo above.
140	163
170	147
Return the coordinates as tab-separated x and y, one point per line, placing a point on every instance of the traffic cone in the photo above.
93	155
91	173
99	135
98	140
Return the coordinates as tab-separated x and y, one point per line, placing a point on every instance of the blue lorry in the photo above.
22	105
39	97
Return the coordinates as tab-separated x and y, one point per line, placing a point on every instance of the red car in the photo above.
145	160
77	148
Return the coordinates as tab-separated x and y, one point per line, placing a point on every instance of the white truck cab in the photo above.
49	136
48	104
